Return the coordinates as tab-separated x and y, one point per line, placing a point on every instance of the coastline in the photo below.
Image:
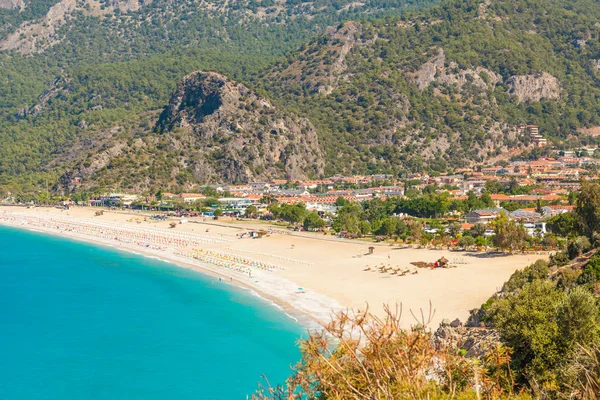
310	316
309	277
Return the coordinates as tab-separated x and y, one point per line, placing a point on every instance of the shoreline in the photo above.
303	317
308	277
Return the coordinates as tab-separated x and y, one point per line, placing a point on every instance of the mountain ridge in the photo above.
430	90
213	129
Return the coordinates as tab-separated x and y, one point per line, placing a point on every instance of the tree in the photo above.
293	214
577	317
251	211
218	212
466	241
472	202
565	224
509	234
493	187
389	226
364	227
341	202
587	207
526	321
537	271
591	271
313	221
346	222
487	200
480	241
210	192
348	218
478	229
578	246
401	227
416	230
454	228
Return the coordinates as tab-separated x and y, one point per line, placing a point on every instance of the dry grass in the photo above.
360	356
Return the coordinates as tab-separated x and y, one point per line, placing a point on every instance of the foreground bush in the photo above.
359	356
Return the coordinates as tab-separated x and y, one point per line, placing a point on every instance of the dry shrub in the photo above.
583	374
360	356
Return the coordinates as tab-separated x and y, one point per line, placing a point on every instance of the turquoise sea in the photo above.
87	322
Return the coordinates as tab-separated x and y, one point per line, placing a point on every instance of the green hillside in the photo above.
388	114
116	69
394	92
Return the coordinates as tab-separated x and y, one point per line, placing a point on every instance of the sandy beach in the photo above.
308	275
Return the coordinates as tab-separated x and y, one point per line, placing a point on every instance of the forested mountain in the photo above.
75	69
447	86
212	130
386	89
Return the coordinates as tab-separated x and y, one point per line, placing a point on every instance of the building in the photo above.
525	215
115	200
536	139
191	197
536	229
234	205
552	211
484	215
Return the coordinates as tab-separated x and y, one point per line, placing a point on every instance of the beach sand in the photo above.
328	270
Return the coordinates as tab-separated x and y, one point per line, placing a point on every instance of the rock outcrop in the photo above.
534	87
475	341
435	70
231	134
333	49
38	36
127	5
12	4
35	36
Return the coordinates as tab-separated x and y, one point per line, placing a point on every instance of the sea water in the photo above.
79	321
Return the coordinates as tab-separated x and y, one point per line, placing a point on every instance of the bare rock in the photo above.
426	74
325	77
12	4
126	5
436	70
475	341
40	35
237	135
34	36
534	87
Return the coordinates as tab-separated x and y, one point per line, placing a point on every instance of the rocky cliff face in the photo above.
237	135
534	87
438	70
213	130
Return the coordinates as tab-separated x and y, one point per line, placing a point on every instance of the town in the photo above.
446	205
